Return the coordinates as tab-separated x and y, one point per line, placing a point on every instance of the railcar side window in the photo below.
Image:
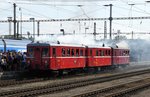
77	52
30	52
81	52
72	52
68	52
102	53
63	52
120	53
54	52
96	52
127	53
45	52
109	52
90	52
106	53
115	53
124	53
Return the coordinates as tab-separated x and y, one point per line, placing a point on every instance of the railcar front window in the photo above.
30	52
45	52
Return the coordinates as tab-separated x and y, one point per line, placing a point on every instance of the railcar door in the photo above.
37	57
91	59
45	58
112	56
53	63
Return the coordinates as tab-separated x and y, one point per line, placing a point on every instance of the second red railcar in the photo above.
98	56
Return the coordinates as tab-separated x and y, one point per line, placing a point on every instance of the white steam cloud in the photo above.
71	39
139	49
122	44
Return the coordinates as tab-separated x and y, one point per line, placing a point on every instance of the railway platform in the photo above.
9	74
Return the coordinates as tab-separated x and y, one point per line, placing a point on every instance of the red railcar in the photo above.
120	56
45	56
98	56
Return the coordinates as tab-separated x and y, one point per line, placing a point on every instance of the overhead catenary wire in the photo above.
53	20
84	13
33	13
139	10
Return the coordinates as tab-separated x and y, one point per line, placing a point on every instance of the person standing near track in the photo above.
23	64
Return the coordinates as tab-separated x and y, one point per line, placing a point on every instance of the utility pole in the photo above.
14	20
38	28
33	20
132	35
110	19
17	30
9	20
105	30
79	27
94	31
20	22
4	45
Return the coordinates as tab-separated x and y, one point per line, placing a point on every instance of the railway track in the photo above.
63	86
121	90
15	82
4	83
25	80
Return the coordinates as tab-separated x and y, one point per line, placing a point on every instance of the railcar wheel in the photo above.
60	72
124	66
95	69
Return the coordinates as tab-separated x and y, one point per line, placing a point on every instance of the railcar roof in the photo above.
122	48
38	44
97	46
54	44
72	45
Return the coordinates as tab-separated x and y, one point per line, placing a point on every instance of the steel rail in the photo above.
118	90
52	88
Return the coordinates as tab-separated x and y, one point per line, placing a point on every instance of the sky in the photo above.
70	9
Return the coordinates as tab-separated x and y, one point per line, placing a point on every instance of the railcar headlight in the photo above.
28	61
46	62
